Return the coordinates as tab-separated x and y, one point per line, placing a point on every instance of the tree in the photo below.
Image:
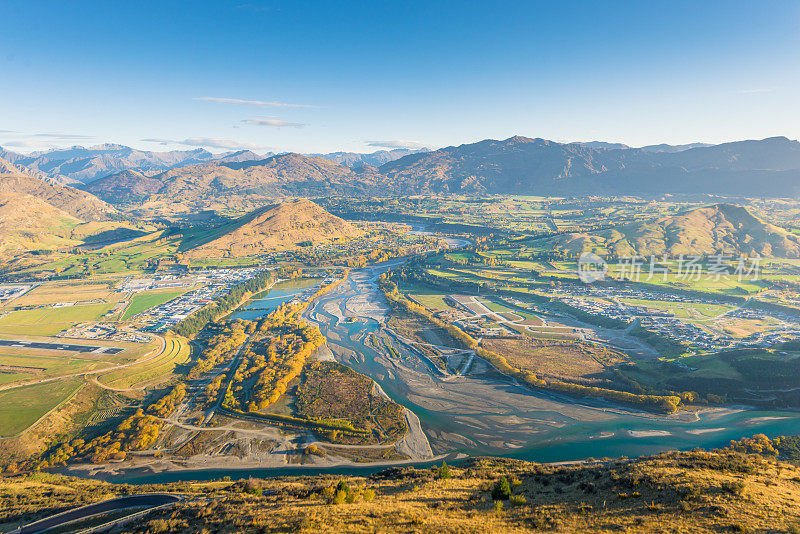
501	490
444	471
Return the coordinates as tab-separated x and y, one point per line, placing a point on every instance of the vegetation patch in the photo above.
332	391
23	406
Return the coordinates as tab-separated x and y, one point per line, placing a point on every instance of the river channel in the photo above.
484	413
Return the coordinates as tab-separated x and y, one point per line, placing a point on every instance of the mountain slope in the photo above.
29	223
239	185
696	492
708	230
520	165
377	158
77	203
271	227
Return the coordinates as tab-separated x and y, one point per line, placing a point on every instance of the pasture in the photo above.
142	302
49	321
22	407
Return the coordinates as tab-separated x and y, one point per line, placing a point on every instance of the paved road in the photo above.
84	512
68	347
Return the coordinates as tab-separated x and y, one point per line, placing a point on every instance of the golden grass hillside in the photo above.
275	227
719	228
77	203
690	492
29	223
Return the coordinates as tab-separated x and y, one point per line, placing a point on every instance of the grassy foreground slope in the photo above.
697	492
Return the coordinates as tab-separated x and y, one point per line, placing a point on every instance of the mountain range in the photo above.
520	165
79	164
196	179
237	186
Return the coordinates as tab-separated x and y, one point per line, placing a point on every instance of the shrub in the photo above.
498	506
369	495
734	487
518	500
339	497
501	490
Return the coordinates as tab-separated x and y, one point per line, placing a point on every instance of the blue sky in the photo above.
326	76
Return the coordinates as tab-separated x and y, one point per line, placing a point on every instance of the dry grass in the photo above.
550	357
674	492
54	292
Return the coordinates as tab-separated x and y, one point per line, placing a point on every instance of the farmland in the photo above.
142	302
21	407
50	321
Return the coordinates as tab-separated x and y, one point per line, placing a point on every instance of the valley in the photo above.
248	334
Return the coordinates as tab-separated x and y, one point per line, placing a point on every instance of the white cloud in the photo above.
240	101
157	140
274	122
207	142
28	144
396	143
253	7
63	136
218	142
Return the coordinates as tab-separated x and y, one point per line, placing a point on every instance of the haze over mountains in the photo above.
518	165
79	164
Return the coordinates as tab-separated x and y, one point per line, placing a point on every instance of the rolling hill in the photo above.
28	223
708	230
38	215
75	202
272	227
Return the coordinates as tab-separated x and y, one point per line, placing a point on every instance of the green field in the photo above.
49	321
144	301
50	365
21	407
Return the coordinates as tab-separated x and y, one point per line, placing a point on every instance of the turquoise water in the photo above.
548	431
268	301
560	435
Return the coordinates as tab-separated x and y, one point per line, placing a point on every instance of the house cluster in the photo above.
606	302
773	337
104	331
164	281
687	333
215	283
615	310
